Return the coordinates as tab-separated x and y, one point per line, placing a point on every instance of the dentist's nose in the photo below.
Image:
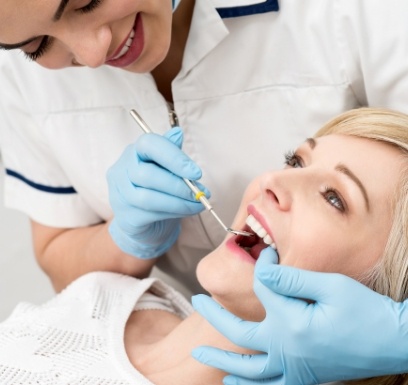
91	48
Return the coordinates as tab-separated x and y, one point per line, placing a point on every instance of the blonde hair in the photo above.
390	275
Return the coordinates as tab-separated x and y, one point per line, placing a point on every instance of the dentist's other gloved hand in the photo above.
349	332
148	196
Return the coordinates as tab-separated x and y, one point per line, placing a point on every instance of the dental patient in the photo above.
337	206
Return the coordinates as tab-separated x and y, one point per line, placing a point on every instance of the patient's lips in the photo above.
259	230
261	240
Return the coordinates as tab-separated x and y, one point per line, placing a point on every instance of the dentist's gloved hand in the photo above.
349	332
148	196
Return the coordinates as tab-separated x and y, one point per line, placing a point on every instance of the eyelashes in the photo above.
292	159
44	46
334	199
47	41
90	7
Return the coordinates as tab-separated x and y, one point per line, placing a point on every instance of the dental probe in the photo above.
199	195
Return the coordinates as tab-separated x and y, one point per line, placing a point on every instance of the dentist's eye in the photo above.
41	50
334	199
293	160
90	7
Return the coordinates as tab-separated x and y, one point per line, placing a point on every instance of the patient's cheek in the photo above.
253	190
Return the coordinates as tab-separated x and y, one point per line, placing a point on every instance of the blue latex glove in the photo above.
349	332
148	196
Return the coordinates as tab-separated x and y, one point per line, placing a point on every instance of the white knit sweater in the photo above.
77	337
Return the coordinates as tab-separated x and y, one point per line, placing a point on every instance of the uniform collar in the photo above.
237	8
208	28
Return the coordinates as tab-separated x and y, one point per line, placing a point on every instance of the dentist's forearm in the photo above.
66	254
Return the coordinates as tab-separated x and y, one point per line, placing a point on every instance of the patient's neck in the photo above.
159	345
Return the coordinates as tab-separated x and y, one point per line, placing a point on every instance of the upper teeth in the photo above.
259	230
125	48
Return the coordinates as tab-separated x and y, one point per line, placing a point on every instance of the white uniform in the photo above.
255	82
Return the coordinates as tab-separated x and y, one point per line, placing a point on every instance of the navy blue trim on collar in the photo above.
253	9
48	189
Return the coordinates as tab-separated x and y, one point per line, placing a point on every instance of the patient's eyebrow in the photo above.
346	171
311	142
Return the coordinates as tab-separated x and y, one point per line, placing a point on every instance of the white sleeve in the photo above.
34	182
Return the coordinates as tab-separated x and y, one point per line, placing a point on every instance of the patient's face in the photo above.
329	210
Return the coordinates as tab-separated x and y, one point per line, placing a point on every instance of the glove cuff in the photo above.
139	248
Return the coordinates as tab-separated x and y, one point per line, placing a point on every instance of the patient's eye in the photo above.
334	198
293	160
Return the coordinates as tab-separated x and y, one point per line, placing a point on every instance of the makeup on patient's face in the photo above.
129	34
325	211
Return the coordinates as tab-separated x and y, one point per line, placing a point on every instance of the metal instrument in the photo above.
199	195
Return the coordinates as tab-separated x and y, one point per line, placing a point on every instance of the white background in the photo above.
20	277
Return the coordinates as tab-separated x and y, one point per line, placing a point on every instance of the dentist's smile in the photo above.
131	48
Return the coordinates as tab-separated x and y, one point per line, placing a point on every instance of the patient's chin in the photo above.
247	307
230	282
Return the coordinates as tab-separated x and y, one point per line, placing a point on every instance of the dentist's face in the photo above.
130	34
329	210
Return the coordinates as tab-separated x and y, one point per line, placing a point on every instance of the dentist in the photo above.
236	75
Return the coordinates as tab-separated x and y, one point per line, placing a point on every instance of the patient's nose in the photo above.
279	187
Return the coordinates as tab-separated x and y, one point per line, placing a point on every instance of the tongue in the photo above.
255	251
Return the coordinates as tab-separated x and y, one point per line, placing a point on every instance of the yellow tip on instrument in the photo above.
199	195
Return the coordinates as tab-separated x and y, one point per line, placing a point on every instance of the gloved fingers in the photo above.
234	328
175	135
298	283
147	244
160	150
234	380
242	365
268	257
158	206
151	176
268	298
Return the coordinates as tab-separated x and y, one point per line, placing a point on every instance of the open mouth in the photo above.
259	241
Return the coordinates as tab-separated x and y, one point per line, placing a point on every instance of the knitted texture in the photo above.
77	337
